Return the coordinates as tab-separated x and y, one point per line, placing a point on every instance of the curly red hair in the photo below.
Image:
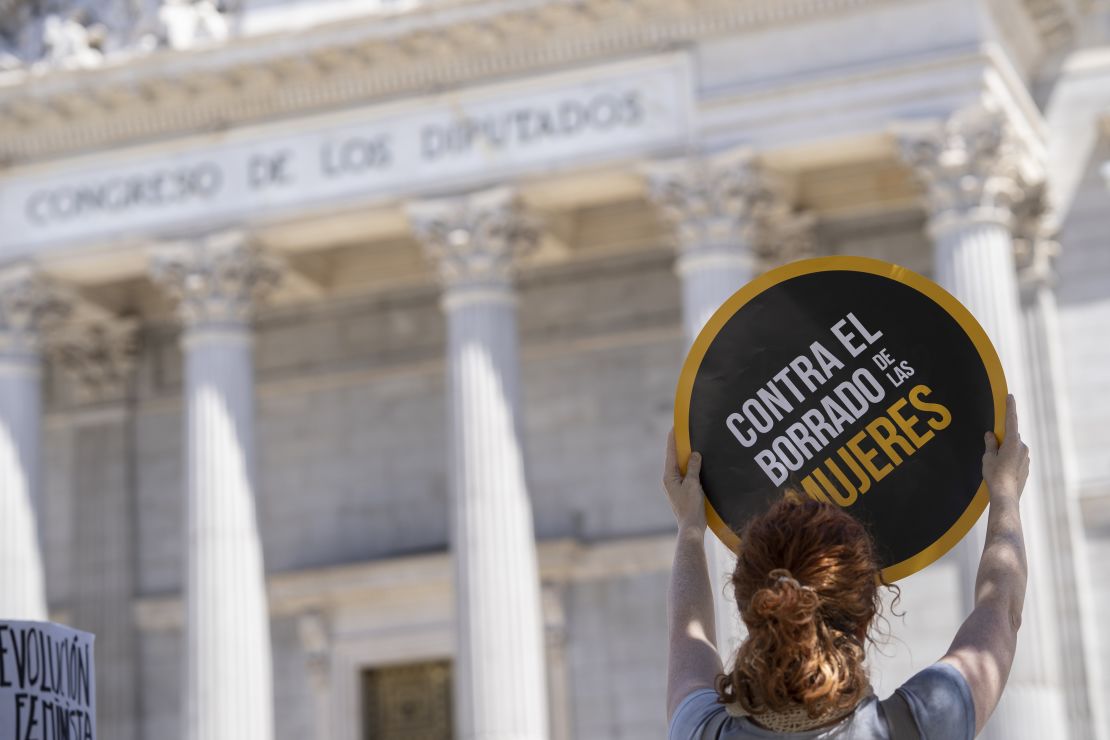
807	582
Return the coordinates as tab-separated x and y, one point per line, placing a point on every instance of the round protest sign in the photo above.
851	381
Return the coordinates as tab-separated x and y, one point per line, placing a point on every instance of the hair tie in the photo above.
793	582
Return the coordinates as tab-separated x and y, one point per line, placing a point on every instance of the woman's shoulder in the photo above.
938	700
695	714
701	717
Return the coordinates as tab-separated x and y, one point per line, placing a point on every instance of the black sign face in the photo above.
852	381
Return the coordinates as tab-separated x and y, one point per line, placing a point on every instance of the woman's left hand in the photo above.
685	494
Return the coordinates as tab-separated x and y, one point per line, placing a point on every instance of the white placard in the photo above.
47	682
459	140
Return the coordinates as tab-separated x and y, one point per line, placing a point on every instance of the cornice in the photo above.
172	93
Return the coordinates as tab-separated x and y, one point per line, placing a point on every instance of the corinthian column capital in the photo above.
715	202
29	302
473	240
973	164
217	279
98	356
786	236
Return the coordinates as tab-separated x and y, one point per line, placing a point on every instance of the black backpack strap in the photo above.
899	718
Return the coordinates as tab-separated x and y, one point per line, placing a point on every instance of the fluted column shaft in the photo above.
975	263
704	288
228	646
21	570
975	171
974	260
500	681
501	650
1051	438
25	300
228	678
708	283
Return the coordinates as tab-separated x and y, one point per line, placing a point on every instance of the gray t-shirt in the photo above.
938	697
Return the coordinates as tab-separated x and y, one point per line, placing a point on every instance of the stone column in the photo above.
1052	444
725	210
975	170
26	301
228	683
712	204
500	682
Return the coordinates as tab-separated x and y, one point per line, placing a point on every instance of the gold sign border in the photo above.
870	266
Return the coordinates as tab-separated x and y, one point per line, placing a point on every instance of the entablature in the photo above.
242	66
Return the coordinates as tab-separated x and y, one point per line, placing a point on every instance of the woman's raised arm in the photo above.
692	660
983	649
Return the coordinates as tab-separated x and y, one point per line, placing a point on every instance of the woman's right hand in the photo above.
684	491
1006	467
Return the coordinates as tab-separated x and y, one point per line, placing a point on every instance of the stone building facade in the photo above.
339	339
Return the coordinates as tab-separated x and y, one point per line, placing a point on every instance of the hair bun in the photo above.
805	582
785	599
